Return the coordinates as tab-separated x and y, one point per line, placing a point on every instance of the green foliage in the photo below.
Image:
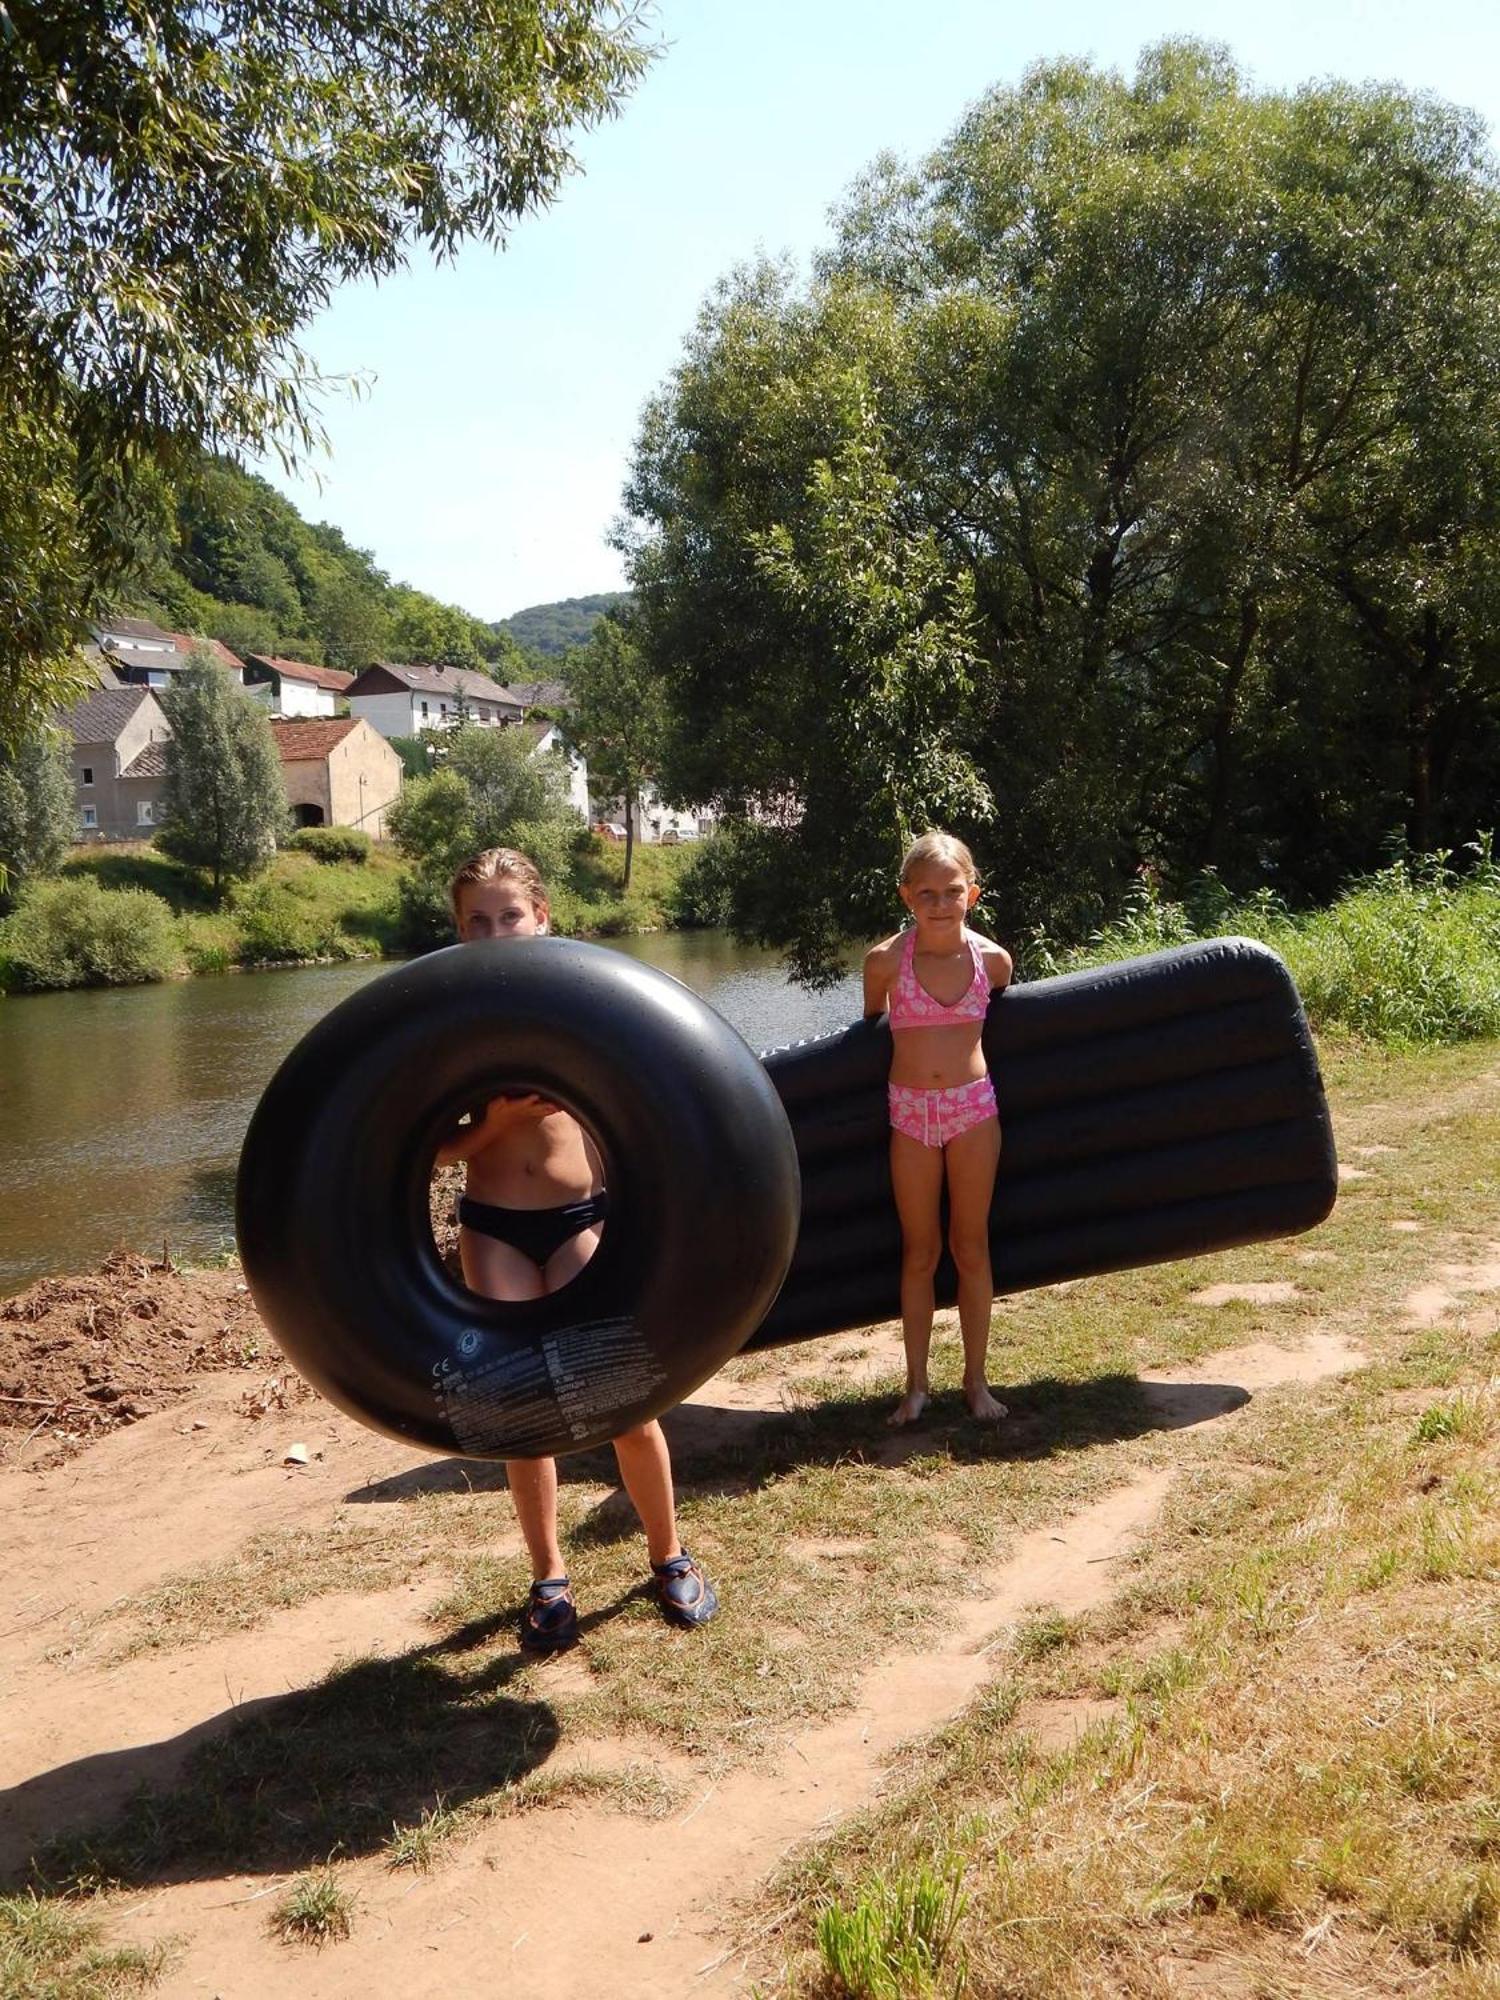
616	718
282	923
897	1939
332	844
1123	486
703	896
38	812
1406	957
415	753
555	629
71	932
223	802
183	192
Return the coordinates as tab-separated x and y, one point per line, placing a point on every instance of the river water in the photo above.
122	1111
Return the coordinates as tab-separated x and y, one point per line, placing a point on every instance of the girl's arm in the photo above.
880	967
485	1127
997	962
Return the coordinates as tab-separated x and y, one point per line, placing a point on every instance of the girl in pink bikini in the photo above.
936	977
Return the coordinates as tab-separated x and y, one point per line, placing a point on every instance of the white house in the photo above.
295	687
404	701
146	655
547	736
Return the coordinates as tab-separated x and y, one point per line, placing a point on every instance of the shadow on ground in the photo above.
289	1781
717	1450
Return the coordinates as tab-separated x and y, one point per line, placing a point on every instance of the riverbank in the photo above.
159	922
1151	1690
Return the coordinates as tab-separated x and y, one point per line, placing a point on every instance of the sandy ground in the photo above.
573	1901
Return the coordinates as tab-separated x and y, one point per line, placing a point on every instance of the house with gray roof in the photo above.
119	737
400	700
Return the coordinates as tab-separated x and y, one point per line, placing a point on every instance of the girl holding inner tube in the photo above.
529	1220
936	977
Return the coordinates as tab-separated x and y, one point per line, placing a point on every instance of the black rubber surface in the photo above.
333	1198
1157	1109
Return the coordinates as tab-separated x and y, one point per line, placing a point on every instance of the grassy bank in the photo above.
1287	1777
126	914
1406	957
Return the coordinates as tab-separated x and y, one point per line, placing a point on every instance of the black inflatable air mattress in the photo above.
1155	1109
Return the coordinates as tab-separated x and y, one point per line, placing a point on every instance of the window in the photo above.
424	708
145	812
88	774
90	816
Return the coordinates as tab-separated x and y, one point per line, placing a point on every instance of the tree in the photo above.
38	811
1147	436
181	191
617	717
223	801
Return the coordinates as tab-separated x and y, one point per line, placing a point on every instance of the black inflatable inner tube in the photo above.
1157	1109
333	1193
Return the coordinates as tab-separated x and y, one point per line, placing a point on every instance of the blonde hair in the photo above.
499	864
935	846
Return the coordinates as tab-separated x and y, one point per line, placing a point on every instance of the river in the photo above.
122	1111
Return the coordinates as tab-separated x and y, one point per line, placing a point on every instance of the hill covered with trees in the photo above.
555	629
227	555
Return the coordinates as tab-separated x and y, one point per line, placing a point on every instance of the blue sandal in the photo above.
549	1618
682	1590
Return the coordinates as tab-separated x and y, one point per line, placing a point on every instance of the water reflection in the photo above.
122	1112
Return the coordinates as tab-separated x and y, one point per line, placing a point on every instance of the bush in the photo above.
701	896
278	926
1407	957
332	843
73	933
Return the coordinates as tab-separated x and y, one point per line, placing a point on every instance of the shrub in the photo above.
73	933
701	895
332	843
279	927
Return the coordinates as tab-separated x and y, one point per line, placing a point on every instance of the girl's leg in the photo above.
533	1489
917	1183
497	1270
646	1475
569	1258
972	1159
500	1271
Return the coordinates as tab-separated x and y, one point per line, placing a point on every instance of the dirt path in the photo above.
545	1900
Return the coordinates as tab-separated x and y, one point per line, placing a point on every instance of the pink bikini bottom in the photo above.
933	1117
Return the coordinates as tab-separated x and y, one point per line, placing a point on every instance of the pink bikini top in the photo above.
912	1006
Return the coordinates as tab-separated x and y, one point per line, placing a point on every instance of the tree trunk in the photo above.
1419	756
1224	731
629	837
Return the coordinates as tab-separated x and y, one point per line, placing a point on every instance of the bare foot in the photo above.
984	1407
911	1406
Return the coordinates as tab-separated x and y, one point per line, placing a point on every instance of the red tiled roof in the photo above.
185	642
303	670
308	740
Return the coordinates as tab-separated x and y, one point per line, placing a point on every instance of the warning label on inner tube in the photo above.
530	1399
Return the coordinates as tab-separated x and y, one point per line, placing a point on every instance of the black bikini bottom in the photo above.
535	1232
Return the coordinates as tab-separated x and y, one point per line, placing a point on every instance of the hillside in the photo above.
233	558
554	629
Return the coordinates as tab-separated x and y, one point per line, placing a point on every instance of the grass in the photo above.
895	1941
49	1951
316	1910
1406	958
1298	1729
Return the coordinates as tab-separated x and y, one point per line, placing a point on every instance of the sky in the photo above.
484	456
